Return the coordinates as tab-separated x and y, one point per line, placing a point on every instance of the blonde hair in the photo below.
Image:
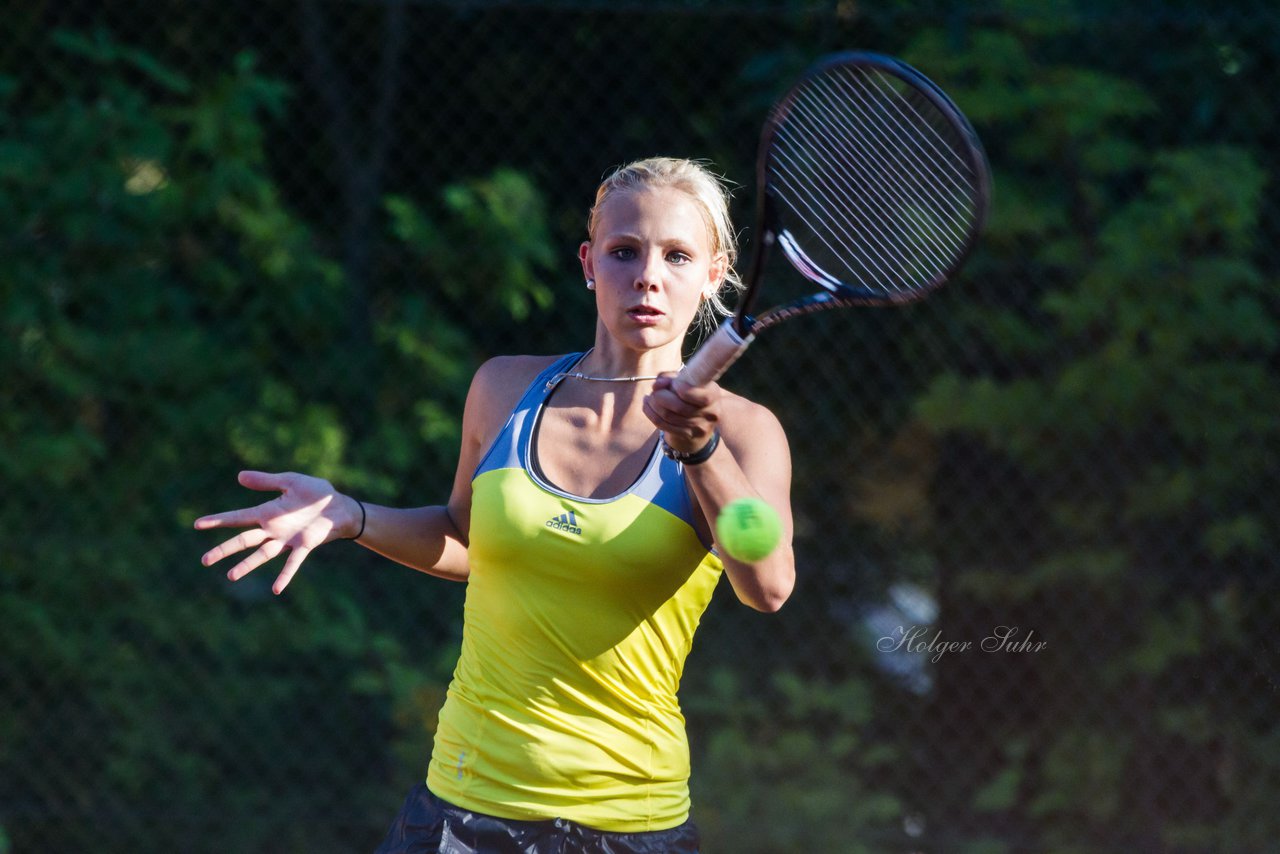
710	193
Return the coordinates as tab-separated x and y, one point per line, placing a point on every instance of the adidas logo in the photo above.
565	522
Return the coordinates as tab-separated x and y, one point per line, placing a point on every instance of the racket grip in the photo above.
715	355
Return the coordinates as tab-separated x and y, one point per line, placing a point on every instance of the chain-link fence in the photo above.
1036	609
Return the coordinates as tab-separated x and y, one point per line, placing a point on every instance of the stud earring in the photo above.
591	284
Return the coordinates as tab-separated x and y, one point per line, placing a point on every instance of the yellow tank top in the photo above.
579	615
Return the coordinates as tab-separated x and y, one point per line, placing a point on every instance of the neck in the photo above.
613	381
608	359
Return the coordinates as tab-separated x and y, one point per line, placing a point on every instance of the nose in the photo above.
649	276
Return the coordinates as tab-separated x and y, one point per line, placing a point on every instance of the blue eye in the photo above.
624	253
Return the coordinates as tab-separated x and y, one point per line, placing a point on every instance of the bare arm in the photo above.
753	460
310	512
434	539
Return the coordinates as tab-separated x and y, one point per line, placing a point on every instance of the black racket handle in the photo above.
715	356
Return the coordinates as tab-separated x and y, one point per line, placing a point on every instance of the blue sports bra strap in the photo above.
508	448
543	384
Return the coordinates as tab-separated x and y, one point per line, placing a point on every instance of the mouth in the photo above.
645	315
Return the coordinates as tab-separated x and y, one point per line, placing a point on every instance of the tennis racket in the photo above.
873	184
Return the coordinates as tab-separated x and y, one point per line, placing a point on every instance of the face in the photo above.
652	262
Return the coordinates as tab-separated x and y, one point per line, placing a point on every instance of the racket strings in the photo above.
889	243
923	179
905	196
941	167
869	168
910	192
930	119
876	177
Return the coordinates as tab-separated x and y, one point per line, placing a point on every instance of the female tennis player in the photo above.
581	519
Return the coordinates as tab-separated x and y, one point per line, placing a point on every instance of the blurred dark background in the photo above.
282	235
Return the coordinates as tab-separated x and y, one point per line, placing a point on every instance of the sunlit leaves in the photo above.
489	249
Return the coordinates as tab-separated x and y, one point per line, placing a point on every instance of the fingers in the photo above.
675	405
265	481
661	419
680	433
291	564
686	414
258	480
697	396
268	545
233	518
247	540
270	549
229	519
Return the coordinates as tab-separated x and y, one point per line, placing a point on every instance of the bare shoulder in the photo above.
504	376
746	424
496	388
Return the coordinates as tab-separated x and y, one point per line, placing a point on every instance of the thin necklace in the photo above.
564	375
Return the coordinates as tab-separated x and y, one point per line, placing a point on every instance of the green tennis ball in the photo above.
748	529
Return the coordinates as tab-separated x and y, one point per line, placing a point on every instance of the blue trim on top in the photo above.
547	486
661	483
505	453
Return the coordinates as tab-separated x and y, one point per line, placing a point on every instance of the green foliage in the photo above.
806	738
1146	347
161	306
489	249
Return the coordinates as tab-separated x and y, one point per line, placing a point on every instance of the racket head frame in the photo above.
733	337
771	223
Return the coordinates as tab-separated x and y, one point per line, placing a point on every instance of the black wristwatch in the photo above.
692	458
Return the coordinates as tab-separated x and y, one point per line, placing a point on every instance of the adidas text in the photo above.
566	522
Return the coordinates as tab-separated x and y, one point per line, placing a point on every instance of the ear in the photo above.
715	274
588	264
